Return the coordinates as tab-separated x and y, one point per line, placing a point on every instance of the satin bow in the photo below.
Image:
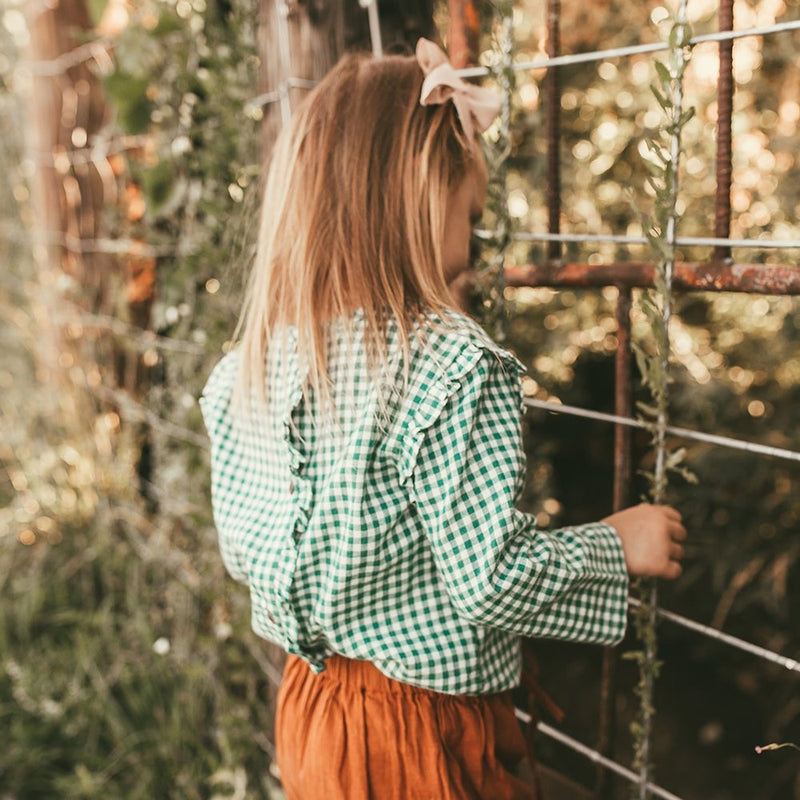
476	107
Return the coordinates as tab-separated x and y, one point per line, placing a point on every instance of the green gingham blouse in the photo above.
390	534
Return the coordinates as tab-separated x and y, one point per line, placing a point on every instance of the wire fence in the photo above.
98	52
623	417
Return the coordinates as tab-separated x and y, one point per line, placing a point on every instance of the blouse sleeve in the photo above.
215	405
498	568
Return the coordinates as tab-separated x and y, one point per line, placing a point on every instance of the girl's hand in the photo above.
651	539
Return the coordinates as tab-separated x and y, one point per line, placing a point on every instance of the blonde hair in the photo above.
353	217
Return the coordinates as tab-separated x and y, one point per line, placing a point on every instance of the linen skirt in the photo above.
351	733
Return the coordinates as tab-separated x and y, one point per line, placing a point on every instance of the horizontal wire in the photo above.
140	337
672	430
141	413
75	244
686	241
87	51
117	247
81	246
593	755
637	49
53	67
595	55
732	641
93	154
300	83
762	30
714	241
283	89
264	99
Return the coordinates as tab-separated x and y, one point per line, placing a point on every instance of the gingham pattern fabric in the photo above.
389	534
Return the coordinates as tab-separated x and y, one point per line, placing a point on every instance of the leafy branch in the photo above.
662	162
490	261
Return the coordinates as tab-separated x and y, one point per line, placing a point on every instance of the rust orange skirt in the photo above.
351	733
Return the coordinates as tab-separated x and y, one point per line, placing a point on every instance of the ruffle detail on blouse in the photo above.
292	377
294	447
447	384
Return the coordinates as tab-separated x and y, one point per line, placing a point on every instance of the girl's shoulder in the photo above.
224	373
450	356
445	354
452	341
215	399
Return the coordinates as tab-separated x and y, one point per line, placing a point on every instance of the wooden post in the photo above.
464	32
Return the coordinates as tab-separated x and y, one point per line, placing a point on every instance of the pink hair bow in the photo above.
476	107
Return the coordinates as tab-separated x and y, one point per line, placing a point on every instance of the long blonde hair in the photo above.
353	216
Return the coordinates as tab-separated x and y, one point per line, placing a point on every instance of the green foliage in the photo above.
96	9
195	68
127	667
664	151
492	251
120	676
129	95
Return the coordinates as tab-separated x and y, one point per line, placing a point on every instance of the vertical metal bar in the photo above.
553	112
464	32
284	47
623	406
374	26
722	203
623	403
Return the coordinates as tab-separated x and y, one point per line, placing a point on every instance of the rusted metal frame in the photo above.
623	403
722	202
463	32
680	241
552	95
782	279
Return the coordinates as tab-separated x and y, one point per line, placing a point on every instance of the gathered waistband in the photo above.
364	676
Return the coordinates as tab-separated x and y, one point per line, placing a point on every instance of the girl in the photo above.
366	458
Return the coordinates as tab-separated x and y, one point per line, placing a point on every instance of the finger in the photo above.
672	513
676	552
672	571
677	532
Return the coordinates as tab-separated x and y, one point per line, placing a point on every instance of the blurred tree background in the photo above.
132	137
